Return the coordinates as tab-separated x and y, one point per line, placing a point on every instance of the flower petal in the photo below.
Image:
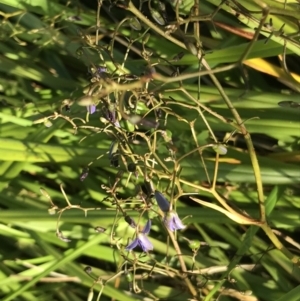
144	242
162	202
169	223
178	223
147	227
173	222
91	109
101	69
132	245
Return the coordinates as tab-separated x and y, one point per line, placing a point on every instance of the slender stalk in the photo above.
279	245
182	263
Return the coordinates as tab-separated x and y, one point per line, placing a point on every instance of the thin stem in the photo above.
279	245
213	187
199	149
182	263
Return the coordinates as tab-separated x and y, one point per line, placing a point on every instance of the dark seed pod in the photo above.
149	188
159	113
131	167
67	108
115	162
130	221
114	154
88	269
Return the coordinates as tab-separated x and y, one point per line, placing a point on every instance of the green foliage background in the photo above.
241	209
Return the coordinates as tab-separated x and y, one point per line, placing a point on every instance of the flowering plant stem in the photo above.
239	122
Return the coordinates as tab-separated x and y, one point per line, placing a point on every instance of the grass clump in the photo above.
149	150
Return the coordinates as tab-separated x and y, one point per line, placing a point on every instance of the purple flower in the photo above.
101	70
171	218
110	115
142	240
98	72
91	109
173	222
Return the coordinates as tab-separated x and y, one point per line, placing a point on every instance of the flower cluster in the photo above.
171	221
171	218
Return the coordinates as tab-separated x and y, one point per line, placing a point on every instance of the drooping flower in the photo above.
91	109
171	218
173	222
142	240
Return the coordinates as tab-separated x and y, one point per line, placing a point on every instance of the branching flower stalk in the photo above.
237	117
216	82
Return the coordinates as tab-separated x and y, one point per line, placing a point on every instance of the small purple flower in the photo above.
110	115
142	240
171	218
91	109
173	222
101	69
98	72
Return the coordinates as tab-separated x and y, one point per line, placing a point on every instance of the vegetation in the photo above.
150	150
